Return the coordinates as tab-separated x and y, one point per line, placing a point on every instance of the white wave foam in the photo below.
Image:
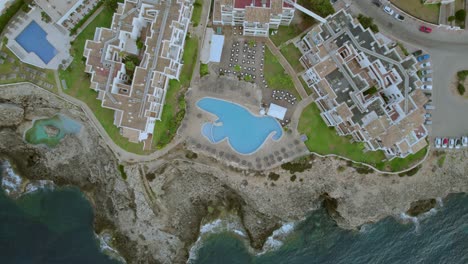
276	239
440	202
104	241
407	218
11	182
39	185
231	224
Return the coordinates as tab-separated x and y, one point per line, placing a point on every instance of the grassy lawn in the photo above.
292	54
196	14
275	75
8	68
286	33
324	140
429	13
303	22
78	83
174	106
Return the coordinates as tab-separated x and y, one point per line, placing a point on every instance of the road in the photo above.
448	49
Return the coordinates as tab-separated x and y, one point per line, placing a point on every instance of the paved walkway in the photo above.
88	21
297	83
199	32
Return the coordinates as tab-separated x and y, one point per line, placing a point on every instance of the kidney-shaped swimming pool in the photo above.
244	131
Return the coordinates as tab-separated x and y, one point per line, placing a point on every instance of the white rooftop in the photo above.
277	111
217	43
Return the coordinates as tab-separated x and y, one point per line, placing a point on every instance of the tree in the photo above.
460	15
451	18
130	66
111	4
368	22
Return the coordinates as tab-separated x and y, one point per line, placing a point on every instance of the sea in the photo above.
47	226
55	225
438	236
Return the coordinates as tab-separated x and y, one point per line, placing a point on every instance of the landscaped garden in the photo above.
174	106
324	140
416	8
196	14
12	70
303	22
292	54
275	75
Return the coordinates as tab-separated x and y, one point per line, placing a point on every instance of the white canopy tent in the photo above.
216	48
277	111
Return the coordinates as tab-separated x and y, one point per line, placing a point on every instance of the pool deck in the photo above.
57	36
271	154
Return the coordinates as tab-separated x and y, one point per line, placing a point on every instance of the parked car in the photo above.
377	3
425	65
388	10
445	143
429	107
438	142
426	79
426	87
427	115
451	143
458	143
428	122
399	17
425	29
426	72
423	57
465	141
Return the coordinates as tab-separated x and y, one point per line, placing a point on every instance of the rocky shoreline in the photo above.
156	213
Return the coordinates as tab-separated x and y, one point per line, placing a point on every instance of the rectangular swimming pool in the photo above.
34	39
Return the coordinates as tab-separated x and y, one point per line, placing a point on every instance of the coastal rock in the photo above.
419	207
10	115
155	214
51	131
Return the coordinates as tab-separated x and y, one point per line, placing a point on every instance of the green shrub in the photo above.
273	176
460	15
462	75
299	165
368	22
204	69
122	172
461	89
410	172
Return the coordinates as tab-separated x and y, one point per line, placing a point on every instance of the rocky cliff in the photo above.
156	212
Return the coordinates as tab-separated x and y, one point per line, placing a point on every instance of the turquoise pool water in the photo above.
244	131
37	134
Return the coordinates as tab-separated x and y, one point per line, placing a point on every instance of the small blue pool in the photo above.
33	39
245	132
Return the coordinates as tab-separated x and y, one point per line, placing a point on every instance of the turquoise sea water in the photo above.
48	227
244	131
438	238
